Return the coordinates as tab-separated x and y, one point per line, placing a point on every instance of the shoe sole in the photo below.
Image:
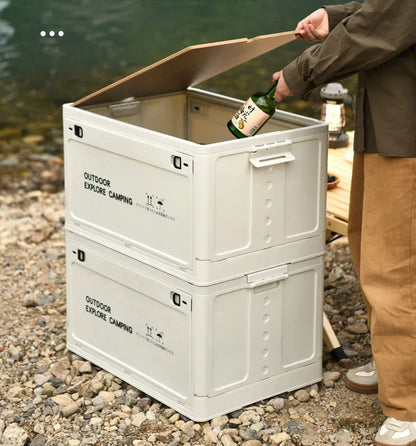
376	443
361	388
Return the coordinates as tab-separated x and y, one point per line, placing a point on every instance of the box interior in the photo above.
187	115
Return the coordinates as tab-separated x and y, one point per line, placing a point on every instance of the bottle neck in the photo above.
270	93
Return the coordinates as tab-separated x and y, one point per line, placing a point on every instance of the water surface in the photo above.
104	40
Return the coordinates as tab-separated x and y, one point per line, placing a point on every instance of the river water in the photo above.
99	41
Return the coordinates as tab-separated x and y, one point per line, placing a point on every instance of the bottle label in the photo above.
249	118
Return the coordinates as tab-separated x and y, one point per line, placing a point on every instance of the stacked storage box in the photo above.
194	260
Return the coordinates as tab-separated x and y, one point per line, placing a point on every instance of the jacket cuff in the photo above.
336	13
296	83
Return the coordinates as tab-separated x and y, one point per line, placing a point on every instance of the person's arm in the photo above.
373	34
337	13
319	23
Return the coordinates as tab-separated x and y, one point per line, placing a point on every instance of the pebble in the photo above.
138	419
302	395
279	438
343	437
249	417
226	440
14	435
187	429
69	409
277	403
246	433
63	400
85	367
39	440
358	328
219	422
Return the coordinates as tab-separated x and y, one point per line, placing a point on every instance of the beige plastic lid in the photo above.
187	67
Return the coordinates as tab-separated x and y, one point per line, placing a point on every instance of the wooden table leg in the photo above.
331	341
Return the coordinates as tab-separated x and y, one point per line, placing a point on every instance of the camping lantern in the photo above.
332	111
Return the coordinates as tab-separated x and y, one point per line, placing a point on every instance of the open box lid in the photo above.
186	68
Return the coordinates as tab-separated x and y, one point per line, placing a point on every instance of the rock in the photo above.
131	399
174	418
226	440
293	427
209	435
329	378
138	419
96	386
69	409
251	443
249	416
314	393
277	403
39	440
108	397
234	422
248	434
279	438
85	367
98	402
270	431
63	400
358	328
219	421
32	139
144	403
188	429
11	161
302	395
61	369
41	379
14	435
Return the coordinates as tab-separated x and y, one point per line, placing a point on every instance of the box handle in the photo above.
268	276
270	154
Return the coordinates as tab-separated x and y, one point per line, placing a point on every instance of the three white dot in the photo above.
52	33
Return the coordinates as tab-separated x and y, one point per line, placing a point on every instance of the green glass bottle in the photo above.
257	110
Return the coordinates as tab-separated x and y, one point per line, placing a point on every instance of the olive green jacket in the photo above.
376	39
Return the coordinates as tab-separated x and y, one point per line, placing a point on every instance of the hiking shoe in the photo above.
363	379
396	433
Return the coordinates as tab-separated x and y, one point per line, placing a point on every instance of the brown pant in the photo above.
382	237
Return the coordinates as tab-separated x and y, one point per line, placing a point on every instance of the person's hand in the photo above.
282	90
315	27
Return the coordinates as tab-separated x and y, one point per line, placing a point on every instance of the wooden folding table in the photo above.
338	198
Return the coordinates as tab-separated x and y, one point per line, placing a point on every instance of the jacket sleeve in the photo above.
370	36
336	13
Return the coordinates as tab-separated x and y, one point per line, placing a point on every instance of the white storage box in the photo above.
161	179
204	351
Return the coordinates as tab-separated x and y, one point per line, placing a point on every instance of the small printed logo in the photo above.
154	333
155	202
240	124
51	33
155	205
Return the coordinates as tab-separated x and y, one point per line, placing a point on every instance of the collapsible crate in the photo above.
204	351
153	172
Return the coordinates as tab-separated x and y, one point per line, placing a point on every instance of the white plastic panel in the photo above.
128	320
144	200
302	322
229	340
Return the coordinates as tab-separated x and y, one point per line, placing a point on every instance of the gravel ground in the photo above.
50	396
